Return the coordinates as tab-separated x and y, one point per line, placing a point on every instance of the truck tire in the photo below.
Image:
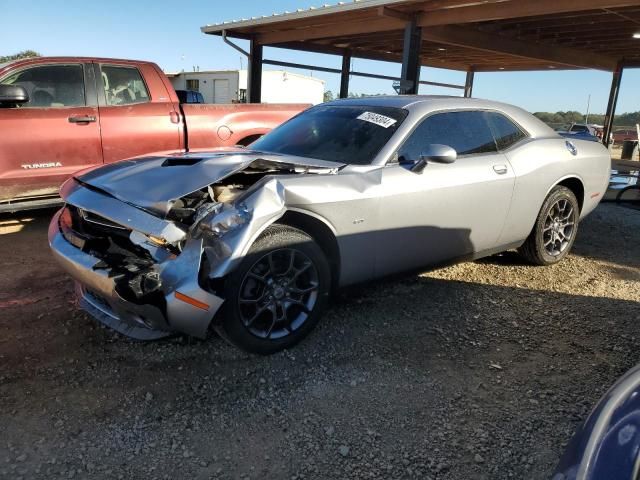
277	294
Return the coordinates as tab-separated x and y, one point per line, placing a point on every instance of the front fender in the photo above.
261	208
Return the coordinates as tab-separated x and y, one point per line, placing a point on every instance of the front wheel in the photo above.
277	294
555	230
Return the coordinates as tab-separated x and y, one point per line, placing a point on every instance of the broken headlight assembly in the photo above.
219	219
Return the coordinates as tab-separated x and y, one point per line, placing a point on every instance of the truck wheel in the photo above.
555	230
277	294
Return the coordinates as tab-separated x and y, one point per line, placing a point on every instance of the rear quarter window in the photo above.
123	85
505	131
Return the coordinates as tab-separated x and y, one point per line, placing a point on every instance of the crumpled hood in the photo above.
155	183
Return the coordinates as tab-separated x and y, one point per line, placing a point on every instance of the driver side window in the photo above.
467	132
51	86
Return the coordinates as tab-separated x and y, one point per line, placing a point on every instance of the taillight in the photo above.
65	218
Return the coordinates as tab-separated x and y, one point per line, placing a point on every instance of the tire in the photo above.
277	294
555	229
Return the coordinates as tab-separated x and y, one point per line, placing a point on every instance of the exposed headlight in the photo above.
224	220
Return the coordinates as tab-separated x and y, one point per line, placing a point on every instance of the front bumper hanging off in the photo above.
98	295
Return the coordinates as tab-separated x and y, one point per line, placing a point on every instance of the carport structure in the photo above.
465	35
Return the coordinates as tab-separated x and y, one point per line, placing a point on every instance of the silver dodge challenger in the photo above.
252	241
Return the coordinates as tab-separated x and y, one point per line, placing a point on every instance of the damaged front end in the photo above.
148	273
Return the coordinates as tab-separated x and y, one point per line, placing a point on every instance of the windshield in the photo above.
337	133
579	128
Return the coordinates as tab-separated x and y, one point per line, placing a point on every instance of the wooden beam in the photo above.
519	68
372	26
511	9
389	12
334	50
466	37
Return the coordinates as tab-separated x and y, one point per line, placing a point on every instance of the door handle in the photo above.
500	169
82	119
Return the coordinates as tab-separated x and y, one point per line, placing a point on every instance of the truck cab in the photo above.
77	114
59	115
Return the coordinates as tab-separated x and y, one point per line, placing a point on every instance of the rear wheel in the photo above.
277	294
555	230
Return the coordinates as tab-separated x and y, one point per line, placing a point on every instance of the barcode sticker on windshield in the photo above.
376	118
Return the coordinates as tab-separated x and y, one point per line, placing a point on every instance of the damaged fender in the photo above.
227	233
179	279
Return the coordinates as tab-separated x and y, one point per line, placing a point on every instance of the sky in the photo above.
168	33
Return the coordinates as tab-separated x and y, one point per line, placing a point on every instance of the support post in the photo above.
468	84
254	73
410	76
344	75
613	102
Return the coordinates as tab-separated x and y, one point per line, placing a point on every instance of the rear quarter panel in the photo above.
541	164
226	125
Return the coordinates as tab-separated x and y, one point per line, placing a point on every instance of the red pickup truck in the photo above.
62	114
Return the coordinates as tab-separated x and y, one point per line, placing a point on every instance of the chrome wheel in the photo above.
559	227
278	293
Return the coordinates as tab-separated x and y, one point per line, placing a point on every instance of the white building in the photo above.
230	86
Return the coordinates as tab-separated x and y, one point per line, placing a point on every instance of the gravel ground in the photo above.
478	371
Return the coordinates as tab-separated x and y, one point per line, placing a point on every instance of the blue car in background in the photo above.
584	131
607	445
583	135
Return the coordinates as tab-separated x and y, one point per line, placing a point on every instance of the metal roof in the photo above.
480	35
299	13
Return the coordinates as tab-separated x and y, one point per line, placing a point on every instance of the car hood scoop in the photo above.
155	183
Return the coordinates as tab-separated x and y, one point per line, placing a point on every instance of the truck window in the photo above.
123	85
51	86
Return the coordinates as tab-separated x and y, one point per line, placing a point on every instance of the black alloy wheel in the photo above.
277	294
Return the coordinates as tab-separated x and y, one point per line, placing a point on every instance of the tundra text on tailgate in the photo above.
63	114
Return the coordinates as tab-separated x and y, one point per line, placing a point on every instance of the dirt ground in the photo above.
478	371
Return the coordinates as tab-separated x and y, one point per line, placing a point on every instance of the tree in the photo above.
564	119
328	96
19	55
546	117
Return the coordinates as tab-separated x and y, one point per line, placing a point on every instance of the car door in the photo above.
53	135
137	115
449	210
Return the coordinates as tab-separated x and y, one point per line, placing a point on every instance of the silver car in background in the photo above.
251	241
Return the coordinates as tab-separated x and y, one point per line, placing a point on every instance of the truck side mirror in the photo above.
11	95
434	153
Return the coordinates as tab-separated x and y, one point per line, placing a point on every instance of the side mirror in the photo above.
13	95
435	153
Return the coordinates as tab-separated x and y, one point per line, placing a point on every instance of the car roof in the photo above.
423	104
408	101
